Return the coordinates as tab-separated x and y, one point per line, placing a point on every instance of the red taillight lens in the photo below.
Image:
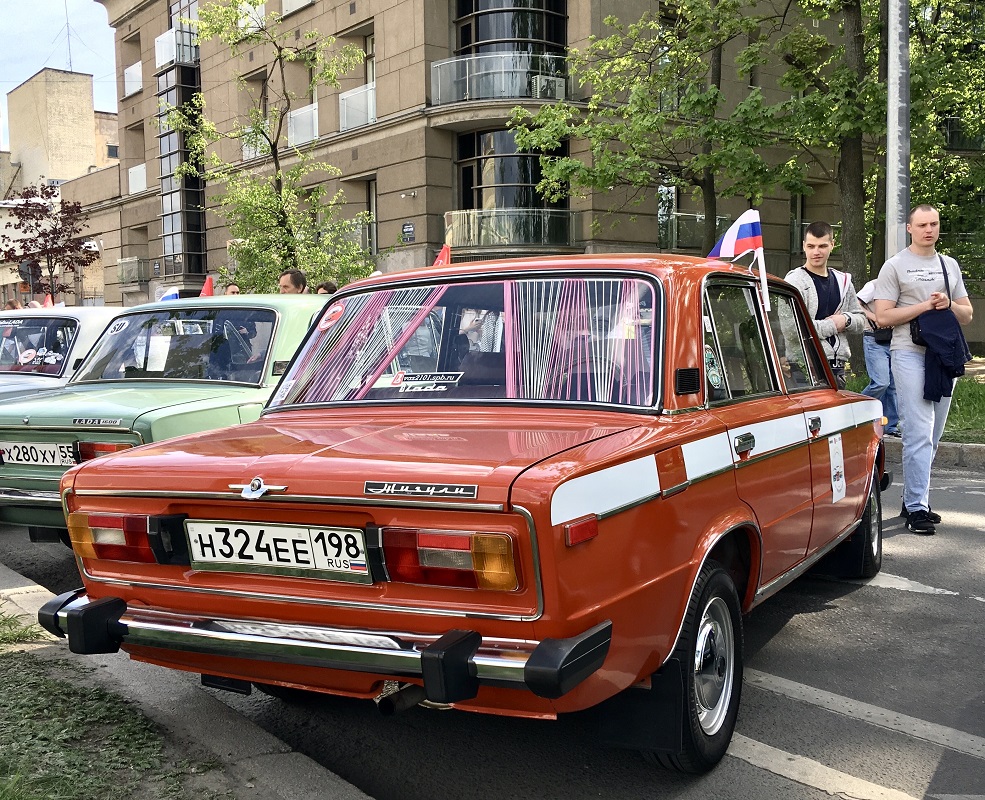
462	559
85	451
114	537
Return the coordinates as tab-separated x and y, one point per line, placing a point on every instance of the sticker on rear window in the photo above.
332	315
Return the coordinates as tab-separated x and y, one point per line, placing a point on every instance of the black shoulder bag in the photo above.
915	333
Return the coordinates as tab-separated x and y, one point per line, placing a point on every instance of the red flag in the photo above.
207	288
48	302
444	256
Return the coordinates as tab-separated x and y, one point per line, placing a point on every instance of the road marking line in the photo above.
809	773
886	581
952	739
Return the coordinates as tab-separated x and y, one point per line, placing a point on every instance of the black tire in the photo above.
870	533
710	649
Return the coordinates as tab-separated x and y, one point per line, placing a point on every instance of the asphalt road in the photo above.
864	690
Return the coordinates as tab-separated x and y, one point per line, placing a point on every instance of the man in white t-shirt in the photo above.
910	283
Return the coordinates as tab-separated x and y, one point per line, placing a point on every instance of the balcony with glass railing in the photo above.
302	125
687	230
175	46
133	271
357	107
133	79
496	76
502	228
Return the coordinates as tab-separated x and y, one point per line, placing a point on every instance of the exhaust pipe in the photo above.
406	697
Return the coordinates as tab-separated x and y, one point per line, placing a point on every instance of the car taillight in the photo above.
85	451
463	559
115	537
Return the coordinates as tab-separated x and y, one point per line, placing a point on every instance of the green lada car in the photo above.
159	370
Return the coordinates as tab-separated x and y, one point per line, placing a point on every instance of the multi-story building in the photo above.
56	135
419	133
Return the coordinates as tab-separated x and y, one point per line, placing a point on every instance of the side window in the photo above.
735	354
800	362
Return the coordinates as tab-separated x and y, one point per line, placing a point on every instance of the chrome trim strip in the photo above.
618	510
73	429
788	577
755	459
294	498
672	490
15	497
499	661
535	550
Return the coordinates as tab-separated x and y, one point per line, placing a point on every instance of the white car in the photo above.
40	348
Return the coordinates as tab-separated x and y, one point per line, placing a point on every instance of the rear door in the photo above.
766	428
839	470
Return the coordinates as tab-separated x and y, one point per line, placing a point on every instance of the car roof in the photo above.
663	265
105	313
279	302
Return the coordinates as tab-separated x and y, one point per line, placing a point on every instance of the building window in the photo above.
515	26
112	151
492	173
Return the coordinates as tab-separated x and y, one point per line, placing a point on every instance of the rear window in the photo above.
582	339
36	345
183	344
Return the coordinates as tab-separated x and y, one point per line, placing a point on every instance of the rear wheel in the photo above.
710	648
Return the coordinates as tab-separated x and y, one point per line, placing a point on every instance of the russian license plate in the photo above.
334	553
51	455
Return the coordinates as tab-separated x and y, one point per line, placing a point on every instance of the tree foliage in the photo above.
657	115
280	214
49	234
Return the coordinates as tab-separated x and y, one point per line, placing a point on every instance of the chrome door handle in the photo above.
814	424
744	442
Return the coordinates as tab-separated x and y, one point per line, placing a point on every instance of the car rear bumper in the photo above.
452	666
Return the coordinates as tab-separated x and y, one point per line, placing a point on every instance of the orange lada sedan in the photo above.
526	487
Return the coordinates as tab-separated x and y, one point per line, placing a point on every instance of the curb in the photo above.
255	763
950	455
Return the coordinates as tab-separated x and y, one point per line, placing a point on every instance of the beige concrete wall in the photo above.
49	114
107	133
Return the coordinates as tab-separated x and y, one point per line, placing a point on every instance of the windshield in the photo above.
212	343
36	345
585	339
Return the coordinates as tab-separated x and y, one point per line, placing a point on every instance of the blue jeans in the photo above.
923	425
881	384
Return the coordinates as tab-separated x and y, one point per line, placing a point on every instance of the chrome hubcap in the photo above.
714	665
874	525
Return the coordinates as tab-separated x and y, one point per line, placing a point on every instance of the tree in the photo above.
49	233
281	214
657	116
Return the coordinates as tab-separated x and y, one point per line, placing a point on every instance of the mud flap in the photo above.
647	719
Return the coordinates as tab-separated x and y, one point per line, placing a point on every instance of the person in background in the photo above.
829	296
326	287
875	343
231	288
910	283
12	305
292	281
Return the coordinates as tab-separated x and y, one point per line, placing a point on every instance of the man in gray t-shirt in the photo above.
910	283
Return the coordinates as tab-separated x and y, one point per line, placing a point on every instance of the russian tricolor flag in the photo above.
170	294
745	236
